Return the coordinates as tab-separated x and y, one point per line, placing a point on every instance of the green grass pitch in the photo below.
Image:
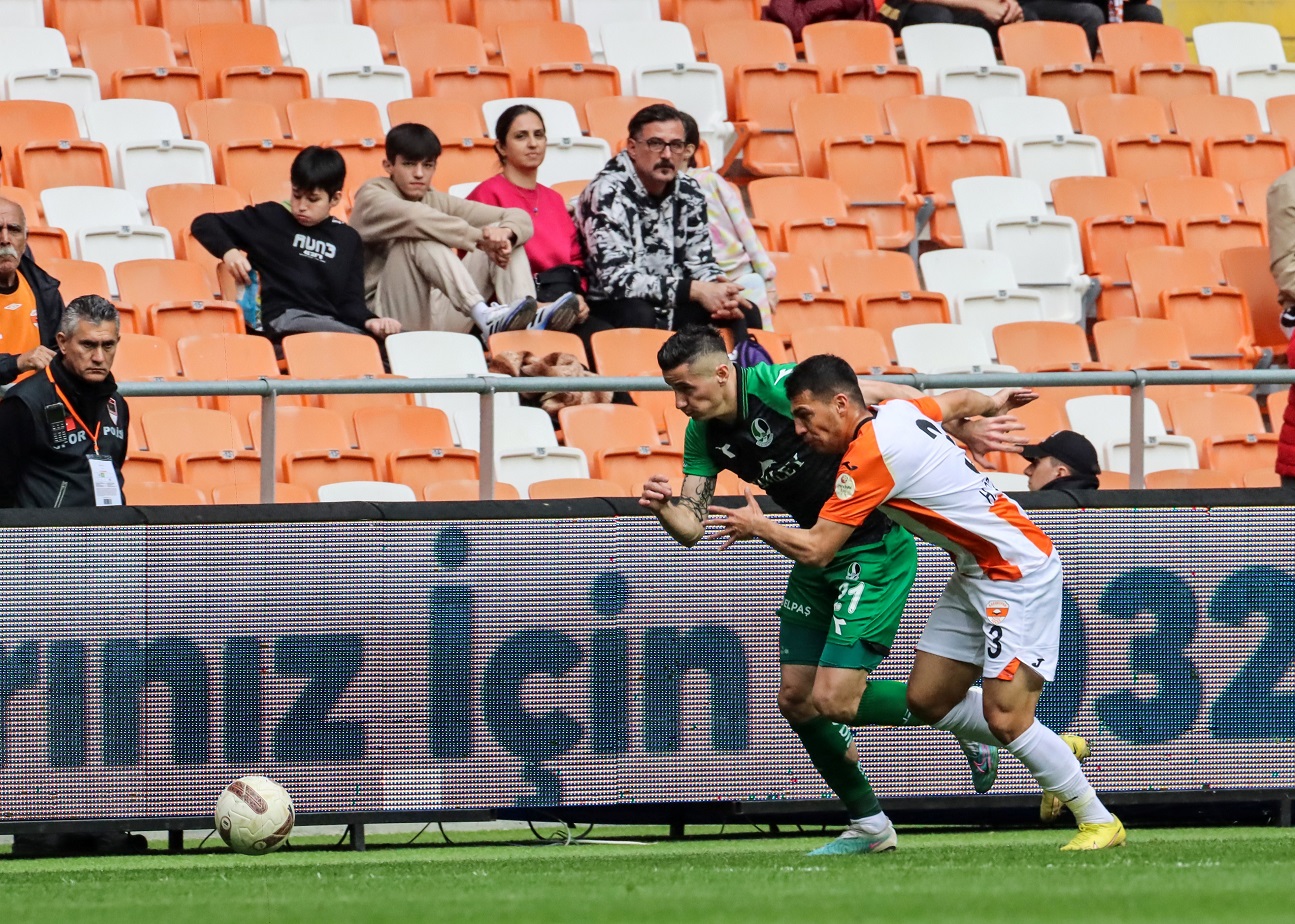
1179	875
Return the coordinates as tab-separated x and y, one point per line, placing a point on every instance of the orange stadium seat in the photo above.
449	59
858	58
223	46
77	277
347	405
863	348
313	447
1135	132
1247	158
203	448
47	164
1153	270
1260	478
46	244
1043	346
163	494
1191	479
332	356
597	427
1200	117
223	121
1248	269
537	52
142	465
1239	454
1214	414
416	468
175	319
864	272
249	165
216	357
465	160
147	282
539	342
383	431
177	17
1057	62
877	177
175	206
140	356
808	215
26	200
1217	322
489	15
631	351
809	310
138	62
284	493
72	17
1281	116
698	14
466	489
942	132
319	121
1204	213
386	16
609	117
449	118
363	158
631	468
1112	223
1142	343
1254	198
797	273
1152	59
825	116
1229	139
570	488
28	120
885	311
274	84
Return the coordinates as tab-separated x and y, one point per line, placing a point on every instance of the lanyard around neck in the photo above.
94	437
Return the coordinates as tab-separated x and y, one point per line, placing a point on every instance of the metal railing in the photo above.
489	386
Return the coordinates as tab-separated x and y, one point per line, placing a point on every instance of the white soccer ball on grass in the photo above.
254	815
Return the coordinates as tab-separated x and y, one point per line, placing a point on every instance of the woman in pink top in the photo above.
553	250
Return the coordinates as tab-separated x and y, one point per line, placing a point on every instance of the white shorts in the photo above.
995	623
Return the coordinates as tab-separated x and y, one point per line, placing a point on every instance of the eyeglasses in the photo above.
657	145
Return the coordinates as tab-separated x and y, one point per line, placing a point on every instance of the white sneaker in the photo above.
558	315
516	316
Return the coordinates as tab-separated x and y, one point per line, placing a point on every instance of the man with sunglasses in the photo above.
646	240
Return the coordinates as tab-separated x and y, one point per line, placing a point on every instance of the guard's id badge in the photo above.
57	419
107	492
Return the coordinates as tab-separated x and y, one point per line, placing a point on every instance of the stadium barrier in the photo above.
488	386
567	659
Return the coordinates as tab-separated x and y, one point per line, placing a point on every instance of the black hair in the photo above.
687	346
504	124
824	376
658	112
412	141
318	168
94	309
691	135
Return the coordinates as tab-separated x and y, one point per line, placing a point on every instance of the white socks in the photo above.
481	315
967	720
872	824
1056	769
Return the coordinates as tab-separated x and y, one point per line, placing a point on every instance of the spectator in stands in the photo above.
1064	461
30	297
737	248
1281	243
1086	14
310	264
986	14
797	14
411	232
1129	11
645	236
65	429
553	251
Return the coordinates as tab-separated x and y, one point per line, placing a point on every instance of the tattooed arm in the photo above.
683	517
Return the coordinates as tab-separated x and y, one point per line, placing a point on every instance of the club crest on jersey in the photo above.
853	571
844	486
761	432
112	409
996	610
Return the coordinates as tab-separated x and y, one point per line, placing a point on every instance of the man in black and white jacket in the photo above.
646	241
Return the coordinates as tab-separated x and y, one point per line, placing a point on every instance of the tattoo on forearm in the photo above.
699	500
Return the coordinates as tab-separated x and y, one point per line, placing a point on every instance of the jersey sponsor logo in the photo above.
996	610
313	248
792	606
770	476
112	409
844	486
761	432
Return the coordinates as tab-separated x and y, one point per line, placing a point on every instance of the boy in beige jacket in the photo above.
411	232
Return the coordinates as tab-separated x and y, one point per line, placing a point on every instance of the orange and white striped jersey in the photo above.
902	461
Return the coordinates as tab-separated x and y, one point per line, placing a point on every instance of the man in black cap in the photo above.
1064	461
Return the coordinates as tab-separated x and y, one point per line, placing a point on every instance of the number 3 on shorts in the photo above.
995	646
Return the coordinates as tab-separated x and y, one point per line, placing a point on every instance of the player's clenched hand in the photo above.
983	435
656	493
1008	399
737	523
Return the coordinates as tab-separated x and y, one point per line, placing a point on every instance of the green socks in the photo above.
827	741
885	702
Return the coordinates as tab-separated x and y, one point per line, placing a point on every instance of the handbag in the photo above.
552	284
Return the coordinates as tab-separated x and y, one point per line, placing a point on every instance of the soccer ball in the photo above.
254	815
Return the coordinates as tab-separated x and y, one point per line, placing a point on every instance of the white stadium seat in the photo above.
36	65
1105	418
441	355
380	492
1248	58
594	14
345	62
959	61
104	226
981	289
146	145
282	15
1158	453
936	348
1040	139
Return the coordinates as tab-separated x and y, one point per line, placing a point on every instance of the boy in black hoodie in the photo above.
311	266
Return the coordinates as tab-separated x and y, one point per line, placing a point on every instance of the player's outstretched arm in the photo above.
967	403
683	517
814	547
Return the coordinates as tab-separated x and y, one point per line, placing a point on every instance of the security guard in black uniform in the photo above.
64	428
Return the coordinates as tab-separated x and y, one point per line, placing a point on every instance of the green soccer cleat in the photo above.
983	759
1050	807
855	841
1098	836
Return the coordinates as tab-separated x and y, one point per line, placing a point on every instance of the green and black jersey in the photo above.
761	447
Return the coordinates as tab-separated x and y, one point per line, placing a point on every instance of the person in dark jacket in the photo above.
65	427
30	304
1065	460
311	266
